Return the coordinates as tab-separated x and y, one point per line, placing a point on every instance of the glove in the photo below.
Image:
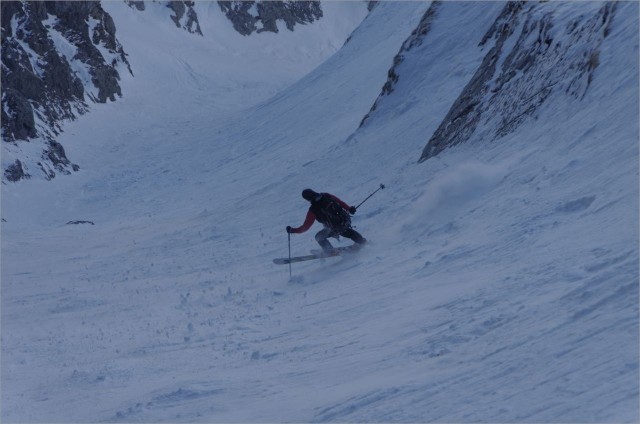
289	229
352	210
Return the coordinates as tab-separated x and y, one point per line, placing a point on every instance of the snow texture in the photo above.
500	284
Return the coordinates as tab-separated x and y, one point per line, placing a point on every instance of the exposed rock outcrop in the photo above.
523	68
136	4
46	48
15	172
185	17
258	16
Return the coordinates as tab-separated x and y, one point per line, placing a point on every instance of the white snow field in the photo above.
500	284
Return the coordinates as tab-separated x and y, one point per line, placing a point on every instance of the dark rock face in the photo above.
57	157
137	4
17	117
513	82
258	16
40	86
185	17
15	172
33	74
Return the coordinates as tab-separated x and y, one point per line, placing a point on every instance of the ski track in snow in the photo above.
500	284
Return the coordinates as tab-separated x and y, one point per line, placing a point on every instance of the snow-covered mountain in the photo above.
500	283
59	57
56	57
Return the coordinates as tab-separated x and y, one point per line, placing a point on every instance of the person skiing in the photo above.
330	211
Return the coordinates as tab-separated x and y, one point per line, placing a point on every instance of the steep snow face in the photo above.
225	69
538	51
500	284
531	52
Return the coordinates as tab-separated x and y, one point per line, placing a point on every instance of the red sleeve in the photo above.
308	222
343	204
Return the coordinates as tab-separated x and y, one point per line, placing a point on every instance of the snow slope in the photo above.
501	284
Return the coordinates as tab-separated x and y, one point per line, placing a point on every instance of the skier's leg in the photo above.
352	234
322	237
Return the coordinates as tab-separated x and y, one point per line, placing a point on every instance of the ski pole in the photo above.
289	237
380	188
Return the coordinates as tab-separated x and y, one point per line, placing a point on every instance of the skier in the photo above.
330	211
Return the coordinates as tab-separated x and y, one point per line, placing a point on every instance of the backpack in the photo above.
330	213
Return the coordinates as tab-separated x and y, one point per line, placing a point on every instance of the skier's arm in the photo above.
342	203
308	222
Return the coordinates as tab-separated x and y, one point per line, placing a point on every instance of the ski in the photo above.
319	255
316	254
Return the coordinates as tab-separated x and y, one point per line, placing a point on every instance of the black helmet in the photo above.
309	194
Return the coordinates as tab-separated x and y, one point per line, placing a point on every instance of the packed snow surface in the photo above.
500	283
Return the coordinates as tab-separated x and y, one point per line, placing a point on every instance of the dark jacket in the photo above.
316	213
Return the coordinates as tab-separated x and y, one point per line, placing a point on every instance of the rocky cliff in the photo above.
531	52
57	57
534	53
252	16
